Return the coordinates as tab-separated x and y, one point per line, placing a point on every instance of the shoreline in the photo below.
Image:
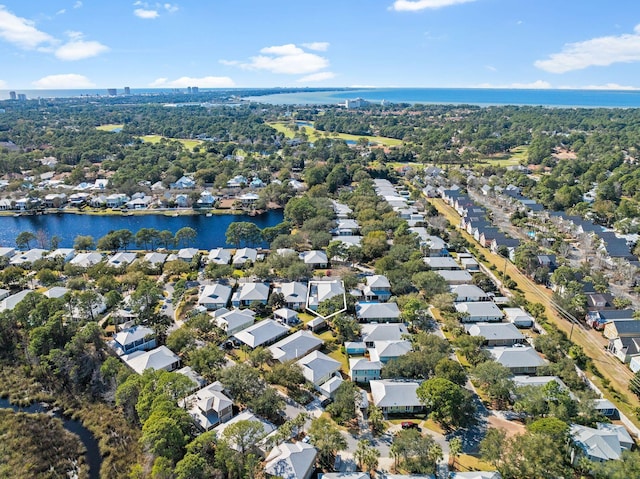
169	212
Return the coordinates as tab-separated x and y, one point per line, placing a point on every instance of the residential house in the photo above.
249	293
376	288
286	316
10	302
155	260
382	332
598	319
316	324
27	256
622	328
4	293
363	370
295	294
139	203
346	227
320	291
519	359
121	259
597	445
483	311
7	252
348	240
187	254
385	351
233	321
246	415
237	181
245	255
209	406
518	317
625	348
606	408
291	461
66	254
469	293
220	256
355	348
184	183
297	345
116	200
86	260
469	264
599	301
377	312
475	475
318	368
262	333
396	397
214	296
441	263
315	258
159	358
136	338
456	277
496	334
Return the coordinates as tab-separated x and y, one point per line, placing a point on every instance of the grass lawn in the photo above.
313	135
339	356
110	127
514	157
466	462
190	144
305	317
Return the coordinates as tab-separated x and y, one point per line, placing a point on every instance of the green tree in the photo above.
24	239
327	439
449	405
83	243
366	455
191	466
416	453
495	379
244	435
185	235
163	437
346	399
376	419
430	283
455	449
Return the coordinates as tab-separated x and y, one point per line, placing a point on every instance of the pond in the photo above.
93	457
211	229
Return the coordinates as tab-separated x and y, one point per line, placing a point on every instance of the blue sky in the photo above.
267	43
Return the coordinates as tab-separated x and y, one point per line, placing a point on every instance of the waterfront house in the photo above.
297	345
139	203
214	296
155	260
116	200
209	406
519	359
159	358
121	259
182	200
377	312
136	338
496	334
248	293
66	254
219	256
262	333
187	254
86	260
396	397
27	256
245	255
6	252
291	461
233	321
295	294
483	311
363	370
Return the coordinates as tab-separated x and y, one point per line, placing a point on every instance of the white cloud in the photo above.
536	85
21	31
606	86
171	8
317	46
78	4
314	77
491	68
288	59
79	50
601	51
417	5
231	63
3	85
203	82
146	14
65	81
61	12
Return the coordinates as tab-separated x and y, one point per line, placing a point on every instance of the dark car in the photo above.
409	425
326	402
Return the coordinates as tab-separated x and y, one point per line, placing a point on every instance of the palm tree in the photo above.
366	455
455	449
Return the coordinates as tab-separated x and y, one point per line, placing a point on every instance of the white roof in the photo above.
389	349
345	475
187	253
596	443
295	346
121	258
210	398
294	292
322	290
455	275
517	357
363	364
4	251
12	301
476	475
159	358
219	256
131	335
331	386
517	314
479	308
317	365
285	313
235	319
377	281
262	332
468	291
377	310
155	258
55	292
383	332
28	256
440	262
63	252
87	259
348	240
245	254
215	294
495	331
314	257
391	393
252	292
290	460
245	415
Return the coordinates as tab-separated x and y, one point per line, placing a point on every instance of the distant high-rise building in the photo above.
12	95
22	97
189	90
112	91
195	89
127	90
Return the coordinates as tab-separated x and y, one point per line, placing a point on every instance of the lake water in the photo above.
470	96
94	459
211	230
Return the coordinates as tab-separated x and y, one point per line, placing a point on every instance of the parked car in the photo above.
326	402
409	425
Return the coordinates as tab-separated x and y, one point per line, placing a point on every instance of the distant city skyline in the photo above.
66	44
